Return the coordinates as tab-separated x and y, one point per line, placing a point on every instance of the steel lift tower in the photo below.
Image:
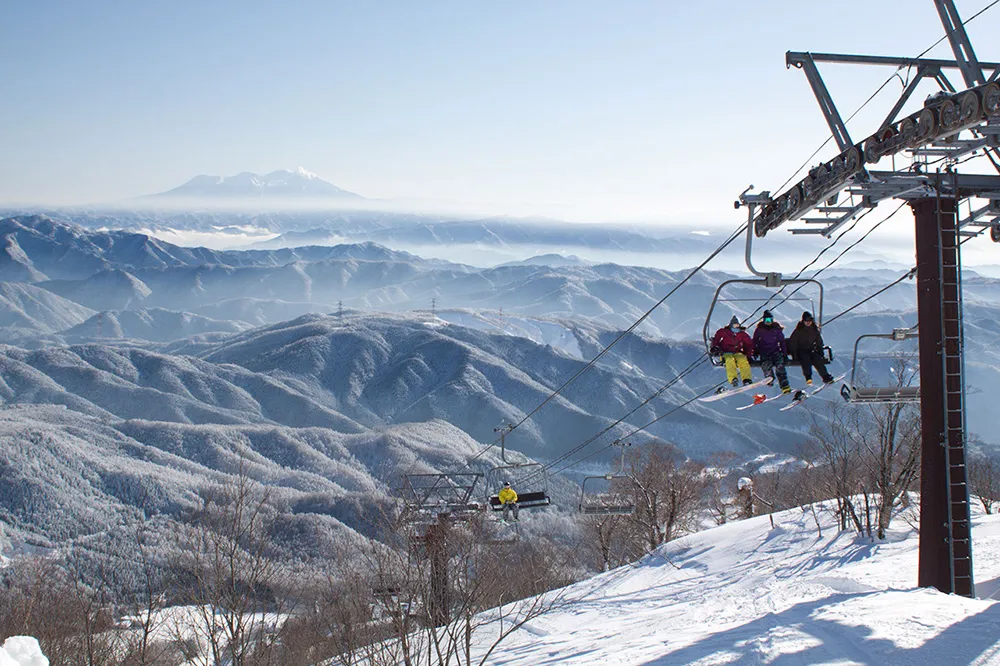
952	126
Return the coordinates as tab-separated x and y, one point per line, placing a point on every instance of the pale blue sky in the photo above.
659	110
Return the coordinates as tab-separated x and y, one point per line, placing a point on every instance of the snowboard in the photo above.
726	392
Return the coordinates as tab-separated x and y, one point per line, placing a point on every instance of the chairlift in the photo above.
766	280
618	499
852	393
429	494
529	480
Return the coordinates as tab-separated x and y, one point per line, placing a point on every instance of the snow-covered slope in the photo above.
153	324
68	475
745	593
25	306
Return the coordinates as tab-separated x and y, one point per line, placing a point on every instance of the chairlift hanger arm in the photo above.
752	201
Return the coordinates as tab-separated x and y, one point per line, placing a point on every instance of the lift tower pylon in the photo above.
955	126
945	529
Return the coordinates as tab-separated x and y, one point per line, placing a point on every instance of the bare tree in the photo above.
840	452
984	478
890	437
611	539
872	450
229	574
669	490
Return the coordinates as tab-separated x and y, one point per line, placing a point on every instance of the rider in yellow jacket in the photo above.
508	499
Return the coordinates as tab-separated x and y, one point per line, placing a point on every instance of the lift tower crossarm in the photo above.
889	61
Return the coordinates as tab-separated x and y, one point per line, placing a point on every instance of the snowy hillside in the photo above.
154	324
68	475
30	308
745	593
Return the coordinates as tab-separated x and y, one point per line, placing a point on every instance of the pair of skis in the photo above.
798	397
801	396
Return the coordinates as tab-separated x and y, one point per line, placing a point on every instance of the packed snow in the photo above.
747	593
22	651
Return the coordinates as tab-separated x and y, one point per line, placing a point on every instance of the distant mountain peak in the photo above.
299	183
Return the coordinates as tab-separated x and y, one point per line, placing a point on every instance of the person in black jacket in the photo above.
805	346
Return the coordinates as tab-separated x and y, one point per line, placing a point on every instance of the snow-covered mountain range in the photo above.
142	368
276	184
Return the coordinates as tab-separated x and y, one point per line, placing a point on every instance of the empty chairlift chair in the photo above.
609	495
853	393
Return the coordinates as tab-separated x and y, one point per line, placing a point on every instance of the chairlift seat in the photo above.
882	394
610	502
755	360
595	509
524	501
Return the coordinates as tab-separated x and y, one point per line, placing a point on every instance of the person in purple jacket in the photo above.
769	343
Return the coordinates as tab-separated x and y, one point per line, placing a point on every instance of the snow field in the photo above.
745	593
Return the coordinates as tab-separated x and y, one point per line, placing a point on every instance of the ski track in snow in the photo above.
746	594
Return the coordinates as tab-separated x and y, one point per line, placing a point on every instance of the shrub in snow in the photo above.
22	651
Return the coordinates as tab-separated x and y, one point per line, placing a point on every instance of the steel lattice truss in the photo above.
951	126
433	494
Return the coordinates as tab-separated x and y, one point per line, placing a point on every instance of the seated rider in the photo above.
806	347
508	500
769	341
735	346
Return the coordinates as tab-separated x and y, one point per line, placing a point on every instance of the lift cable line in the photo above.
909	274
830	246
906	276
736	234
701	359
698	362
638	430
886	83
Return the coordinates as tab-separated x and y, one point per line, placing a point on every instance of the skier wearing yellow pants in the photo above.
735	346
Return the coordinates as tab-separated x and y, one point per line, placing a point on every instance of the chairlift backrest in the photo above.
853	393
529	481
613	502
813	306
610	503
